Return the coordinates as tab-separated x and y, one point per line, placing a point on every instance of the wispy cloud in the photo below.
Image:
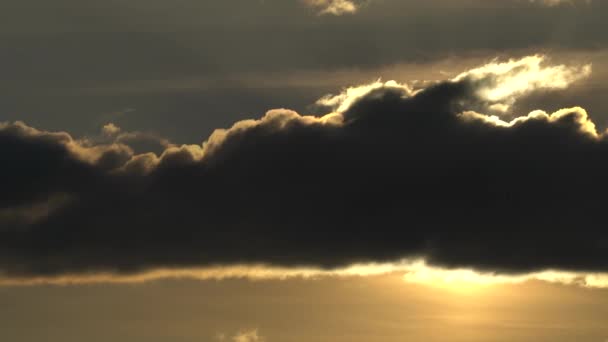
241	336
497	84
341	7
333	7
559	2
248	336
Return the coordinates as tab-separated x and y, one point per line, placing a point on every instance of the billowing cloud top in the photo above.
391	172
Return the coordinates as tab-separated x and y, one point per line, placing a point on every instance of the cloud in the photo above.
412	271
333	7
248	336
559	2
501	84
341	7
497	84
390	173
243	336
139	142
110	129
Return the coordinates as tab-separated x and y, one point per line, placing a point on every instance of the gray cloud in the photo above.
333	7
396	173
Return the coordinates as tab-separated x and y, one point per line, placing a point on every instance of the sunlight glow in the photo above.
502	83
412	271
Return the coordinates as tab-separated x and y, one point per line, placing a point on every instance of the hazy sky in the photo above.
183	68
358	310
303	170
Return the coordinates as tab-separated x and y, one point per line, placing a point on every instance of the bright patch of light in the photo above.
413	271
342	102
502	83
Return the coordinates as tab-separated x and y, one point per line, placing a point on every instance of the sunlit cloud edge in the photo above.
414	271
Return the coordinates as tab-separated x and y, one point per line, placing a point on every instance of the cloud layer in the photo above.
390	173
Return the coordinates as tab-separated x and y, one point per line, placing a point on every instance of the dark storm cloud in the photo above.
396	174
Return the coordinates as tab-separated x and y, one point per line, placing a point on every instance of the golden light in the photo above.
417	271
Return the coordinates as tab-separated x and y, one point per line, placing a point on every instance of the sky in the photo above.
303	170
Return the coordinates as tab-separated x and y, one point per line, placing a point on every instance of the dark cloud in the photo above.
395	175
